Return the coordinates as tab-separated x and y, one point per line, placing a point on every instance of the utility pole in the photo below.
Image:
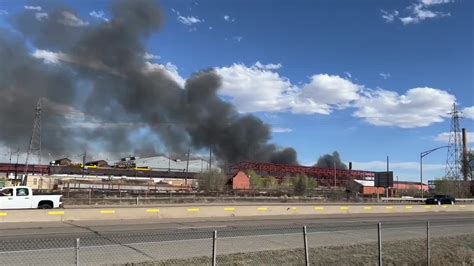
423	154
210	158
334	174
187	168
83	163
35	142
388	178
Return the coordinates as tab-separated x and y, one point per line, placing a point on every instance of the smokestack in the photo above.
465	166
350	165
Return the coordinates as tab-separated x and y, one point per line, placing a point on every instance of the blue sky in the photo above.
365	78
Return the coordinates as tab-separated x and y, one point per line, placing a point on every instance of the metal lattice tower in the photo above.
35	142
454	158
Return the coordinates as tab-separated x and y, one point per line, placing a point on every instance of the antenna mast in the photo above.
35	141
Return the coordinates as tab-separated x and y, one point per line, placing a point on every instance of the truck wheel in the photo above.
45	206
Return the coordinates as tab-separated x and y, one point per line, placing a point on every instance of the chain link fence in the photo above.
393	243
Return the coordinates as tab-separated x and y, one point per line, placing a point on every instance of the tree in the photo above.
328	161
212	181
256	181
270	182
302	183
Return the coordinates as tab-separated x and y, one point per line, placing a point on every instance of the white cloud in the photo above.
228	18
40	16
3	12
389	16
468	112
385	75
418	107
281	130
149	56
210	28
169	69
419	12
444	137
268	66
348	74
98	15
36	8
435	2
416	12
48	56
190	20
69	19
257	89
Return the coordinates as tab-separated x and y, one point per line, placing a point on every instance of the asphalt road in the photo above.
137	241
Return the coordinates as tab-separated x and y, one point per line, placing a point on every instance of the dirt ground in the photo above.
456	250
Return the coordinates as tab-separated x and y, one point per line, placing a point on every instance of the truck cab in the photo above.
22	197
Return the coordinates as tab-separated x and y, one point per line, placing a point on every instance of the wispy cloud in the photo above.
385	75
189	20
281	130
99	15
69	19
3	12
36	8
150	56
237	38
389	16
229	18
416	12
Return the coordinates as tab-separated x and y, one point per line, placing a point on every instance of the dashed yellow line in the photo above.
193	209
462	206
427	207
3	214
319	208
262	209
153	211
444	207
408	207
344	208
229	209
56	213
367	208
107	211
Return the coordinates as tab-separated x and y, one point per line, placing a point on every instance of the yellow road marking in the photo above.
3	214
193	209
444	207
344	208
388	207
262	209
319	208
55	213
153	211
368	208
427	207
229	209
408	207
293	208
107	212
462	206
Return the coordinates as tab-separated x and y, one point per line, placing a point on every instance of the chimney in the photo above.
350	165
465	166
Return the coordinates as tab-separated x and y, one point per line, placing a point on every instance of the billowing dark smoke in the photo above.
328	161
102	79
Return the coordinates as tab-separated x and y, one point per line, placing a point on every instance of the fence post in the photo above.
428	251
306	253
90	196
77	251
379	231
137	201
214	248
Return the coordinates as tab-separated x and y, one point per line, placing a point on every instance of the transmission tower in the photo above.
454	158
35	142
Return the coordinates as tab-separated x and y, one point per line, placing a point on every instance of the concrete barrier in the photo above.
12	216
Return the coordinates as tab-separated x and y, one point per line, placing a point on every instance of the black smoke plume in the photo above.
100	79
329	161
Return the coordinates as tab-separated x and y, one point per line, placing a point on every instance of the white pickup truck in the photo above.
22	198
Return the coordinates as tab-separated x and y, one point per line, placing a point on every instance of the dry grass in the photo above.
456	250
